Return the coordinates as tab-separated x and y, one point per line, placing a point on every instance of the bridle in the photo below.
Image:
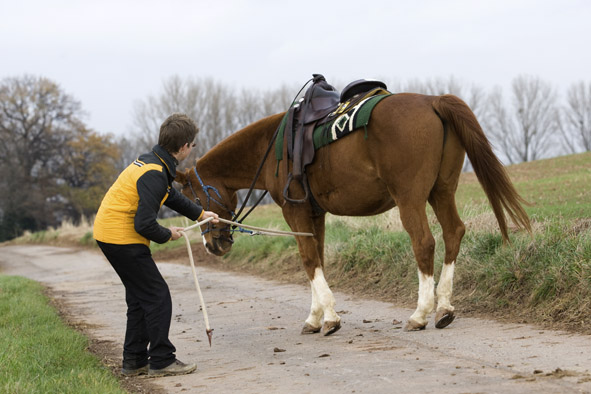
206	189
235	216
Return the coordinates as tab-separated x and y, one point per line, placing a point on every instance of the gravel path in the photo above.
257	346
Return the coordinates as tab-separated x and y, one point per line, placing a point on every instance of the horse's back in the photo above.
401	148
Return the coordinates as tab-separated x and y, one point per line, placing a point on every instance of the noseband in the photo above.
206	190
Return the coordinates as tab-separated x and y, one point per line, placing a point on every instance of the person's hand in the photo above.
210	214
175	232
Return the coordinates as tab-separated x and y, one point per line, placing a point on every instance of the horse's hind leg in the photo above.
443	202
414	220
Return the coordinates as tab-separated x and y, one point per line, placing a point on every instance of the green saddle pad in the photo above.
356	117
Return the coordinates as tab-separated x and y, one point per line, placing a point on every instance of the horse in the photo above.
411	152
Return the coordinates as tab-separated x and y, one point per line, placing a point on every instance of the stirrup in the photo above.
304	184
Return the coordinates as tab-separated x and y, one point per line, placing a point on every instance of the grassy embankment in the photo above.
38	352
541	279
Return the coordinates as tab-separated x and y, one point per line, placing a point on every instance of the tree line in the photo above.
56	168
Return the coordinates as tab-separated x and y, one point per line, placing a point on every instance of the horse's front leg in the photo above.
323	303
312	254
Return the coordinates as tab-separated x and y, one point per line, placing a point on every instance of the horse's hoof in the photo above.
412	325
308	329
443	318
330	327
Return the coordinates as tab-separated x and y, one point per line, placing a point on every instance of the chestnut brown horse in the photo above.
413	154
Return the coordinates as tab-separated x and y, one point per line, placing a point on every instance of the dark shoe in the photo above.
135	372
176	368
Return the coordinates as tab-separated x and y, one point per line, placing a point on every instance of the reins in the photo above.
262	231
236	217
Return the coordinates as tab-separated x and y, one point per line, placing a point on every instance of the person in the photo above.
123	228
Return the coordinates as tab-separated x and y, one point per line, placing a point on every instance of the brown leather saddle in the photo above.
321	104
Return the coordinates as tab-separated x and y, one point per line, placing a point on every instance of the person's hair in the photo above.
176	131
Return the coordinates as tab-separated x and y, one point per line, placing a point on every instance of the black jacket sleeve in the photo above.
151	188
183	205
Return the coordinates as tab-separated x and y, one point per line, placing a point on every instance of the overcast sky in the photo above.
109	54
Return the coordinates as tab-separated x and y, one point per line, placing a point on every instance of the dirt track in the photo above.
257	346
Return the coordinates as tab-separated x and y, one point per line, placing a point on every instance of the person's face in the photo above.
185	150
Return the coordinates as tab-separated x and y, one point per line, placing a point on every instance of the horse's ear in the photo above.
181	177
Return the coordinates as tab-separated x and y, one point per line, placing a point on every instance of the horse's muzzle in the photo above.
219	246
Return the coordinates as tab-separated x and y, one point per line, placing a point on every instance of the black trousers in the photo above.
149	306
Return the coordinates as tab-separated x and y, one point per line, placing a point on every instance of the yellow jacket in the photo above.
128	212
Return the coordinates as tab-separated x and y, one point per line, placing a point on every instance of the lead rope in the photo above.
260	231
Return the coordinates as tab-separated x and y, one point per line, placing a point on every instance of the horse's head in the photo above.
212	195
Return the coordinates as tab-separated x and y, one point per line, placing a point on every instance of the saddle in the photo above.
321	104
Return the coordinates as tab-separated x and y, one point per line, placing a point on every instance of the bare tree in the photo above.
575	120
129	151
524	131
177	96
254	104
209	103
472	94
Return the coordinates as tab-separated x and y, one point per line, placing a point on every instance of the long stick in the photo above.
208	330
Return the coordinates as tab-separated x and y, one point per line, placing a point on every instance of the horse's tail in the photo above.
489	170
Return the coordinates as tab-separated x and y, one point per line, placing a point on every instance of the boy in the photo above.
124	226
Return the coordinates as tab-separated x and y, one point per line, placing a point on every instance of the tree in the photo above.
524	131
128	150
36	117
40	130
209	103
575	119
87	167
217	110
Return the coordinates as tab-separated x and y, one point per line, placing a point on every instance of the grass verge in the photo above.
39	353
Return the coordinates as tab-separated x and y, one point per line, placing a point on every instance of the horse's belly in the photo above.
345	179
350	194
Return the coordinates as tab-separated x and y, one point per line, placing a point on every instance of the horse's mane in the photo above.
243	143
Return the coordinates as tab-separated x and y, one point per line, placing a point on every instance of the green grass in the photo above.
547	278
38	353
554	187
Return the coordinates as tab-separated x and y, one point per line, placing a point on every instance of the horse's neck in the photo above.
236	159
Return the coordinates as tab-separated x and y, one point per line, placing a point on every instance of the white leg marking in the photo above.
445	287
426	298
322	299
316	313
